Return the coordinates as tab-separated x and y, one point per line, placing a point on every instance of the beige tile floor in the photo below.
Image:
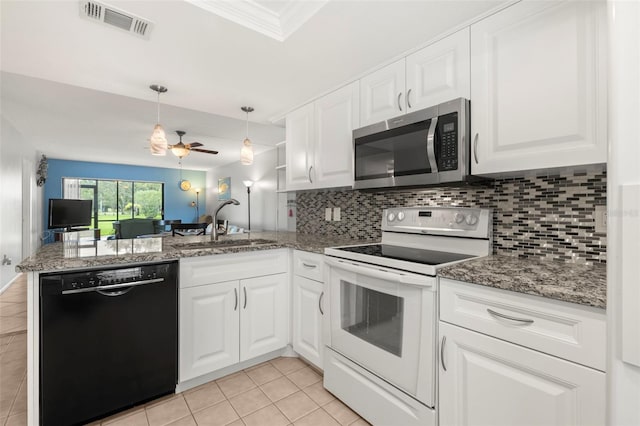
13	354
281	392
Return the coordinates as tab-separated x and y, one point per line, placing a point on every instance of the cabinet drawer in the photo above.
202	270
309	265
566	330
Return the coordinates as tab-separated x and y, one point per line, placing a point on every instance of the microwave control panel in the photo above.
447	155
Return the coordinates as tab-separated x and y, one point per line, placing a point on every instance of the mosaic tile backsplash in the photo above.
546	216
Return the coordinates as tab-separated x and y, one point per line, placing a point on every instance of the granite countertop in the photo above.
575	283
78	254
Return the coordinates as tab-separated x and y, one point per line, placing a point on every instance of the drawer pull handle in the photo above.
509	317
444	340
308	265
320	303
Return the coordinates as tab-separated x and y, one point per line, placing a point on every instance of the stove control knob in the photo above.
391	217
400	216
471	219
459	217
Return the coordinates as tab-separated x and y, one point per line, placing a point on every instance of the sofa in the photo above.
132	228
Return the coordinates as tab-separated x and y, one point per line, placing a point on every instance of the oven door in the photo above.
384	320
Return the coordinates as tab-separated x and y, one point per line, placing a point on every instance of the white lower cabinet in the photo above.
264	317
232	308
307	313
487	381
209	328
225	323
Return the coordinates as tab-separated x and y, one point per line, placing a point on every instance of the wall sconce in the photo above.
248	184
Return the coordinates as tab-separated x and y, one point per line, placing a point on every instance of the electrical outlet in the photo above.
601	219
327	214
336	214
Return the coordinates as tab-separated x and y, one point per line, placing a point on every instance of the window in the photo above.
117	200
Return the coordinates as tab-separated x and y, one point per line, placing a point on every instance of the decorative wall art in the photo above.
224	189
41	173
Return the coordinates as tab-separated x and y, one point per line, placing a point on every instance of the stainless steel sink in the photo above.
222	244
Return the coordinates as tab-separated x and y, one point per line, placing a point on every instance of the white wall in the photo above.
16	157
623	230
264	200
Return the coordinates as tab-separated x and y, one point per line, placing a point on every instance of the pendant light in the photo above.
158	139
246	154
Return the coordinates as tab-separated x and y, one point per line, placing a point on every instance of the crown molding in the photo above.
256	17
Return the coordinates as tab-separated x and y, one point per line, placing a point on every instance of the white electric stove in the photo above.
381	357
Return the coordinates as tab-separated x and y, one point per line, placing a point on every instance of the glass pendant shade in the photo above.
246	154
158	141
180	151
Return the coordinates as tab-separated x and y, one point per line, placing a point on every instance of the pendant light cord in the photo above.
247	125
158	105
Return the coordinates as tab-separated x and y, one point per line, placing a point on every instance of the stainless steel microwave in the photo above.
426	147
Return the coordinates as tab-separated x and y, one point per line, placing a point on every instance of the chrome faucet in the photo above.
214	230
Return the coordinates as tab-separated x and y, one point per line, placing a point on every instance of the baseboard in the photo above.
192	383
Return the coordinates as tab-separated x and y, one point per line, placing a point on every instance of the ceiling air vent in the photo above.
100	12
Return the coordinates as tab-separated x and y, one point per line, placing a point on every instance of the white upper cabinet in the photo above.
336	115
435	74
319	141
299	155
382	94
538	85
439	72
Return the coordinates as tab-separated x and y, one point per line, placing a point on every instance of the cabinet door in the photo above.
264	317
439	72
492	382
382	94
299	153
307	318
538	87
209	328
336	115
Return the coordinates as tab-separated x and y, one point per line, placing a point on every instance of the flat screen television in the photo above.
67	213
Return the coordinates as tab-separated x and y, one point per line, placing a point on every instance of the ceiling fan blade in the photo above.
193	144
206	151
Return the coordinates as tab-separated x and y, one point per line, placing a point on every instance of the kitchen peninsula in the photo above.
218	278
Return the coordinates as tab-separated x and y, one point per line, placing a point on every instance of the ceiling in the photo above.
80	90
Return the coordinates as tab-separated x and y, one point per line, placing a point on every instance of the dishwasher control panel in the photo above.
108	277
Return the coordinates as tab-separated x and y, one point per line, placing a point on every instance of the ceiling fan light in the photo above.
246	153
180	151
158	141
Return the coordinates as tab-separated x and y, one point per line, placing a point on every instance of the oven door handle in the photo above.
383	274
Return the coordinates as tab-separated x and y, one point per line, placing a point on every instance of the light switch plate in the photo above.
336	214
327	214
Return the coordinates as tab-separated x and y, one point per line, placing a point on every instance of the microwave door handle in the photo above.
379	273
431	152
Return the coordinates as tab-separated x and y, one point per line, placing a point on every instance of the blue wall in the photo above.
177	203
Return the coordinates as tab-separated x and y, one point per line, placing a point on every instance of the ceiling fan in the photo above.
183	149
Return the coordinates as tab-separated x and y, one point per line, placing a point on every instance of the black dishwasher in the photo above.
108	340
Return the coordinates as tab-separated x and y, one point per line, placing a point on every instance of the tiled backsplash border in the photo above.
549	216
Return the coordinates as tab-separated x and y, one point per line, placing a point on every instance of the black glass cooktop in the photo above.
427	257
